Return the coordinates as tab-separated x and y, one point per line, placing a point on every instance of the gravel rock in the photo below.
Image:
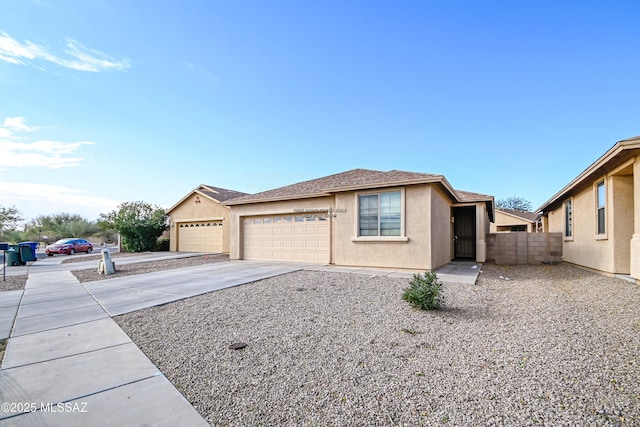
13	283
553	345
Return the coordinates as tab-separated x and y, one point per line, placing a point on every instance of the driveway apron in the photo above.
67	363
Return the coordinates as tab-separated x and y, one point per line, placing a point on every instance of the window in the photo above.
379	214
601	200
568	218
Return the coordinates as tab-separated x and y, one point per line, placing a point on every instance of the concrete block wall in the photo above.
524	248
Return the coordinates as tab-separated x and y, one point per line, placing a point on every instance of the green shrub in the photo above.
424	292
162	244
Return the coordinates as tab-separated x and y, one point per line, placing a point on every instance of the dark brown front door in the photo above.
464	232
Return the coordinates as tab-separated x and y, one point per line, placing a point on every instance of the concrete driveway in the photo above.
70	362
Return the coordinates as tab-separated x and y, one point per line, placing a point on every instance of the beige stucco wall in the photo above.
621	221
425	245
423	210
441	228
206	209
635	240
609	252
238	212
503	219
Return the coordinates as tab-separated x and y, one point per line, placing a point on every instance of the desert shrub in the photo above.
162	244
424	292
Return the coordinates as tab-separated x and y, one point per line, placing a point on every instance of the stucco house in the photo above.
599	212
510	220
364	218
199	222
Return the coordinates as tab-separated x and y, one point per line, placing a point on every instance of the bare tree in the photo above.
515	203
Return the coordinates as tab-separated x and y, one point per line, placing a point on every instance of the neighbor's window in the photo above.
601	196
568	218
379	214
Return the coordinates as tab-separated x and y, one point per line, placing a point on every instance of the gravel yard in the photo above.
553	345
12	283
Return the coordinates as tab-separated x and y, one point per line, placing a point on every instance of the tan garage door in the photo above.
299	238
201	236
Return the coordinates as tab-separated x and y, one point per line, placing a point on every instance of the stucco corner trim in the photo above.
377	239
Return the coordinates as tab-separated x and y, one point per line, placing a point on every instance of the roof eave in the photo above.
619	147
195	190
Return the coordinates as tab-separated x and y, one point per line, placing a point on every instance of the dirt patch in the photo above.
148	267
3	346
13	283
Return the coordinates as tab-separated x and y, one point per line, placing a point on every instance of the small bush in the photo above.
162	244
424	292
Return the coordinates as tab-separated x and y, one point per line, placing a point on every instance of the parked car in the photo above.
69	247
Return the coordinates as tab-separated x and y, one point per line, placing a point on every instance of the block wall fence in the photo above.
524	248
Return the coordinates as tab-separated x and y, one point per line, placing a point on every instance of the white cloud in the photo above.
78	57
44	199
14	152
17	123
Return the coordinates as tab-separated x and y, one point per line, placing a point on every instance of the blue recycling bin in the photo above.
28	251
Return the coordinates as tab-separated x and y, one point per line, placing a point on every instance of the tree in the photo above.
139	224
62	225
9	219
515	203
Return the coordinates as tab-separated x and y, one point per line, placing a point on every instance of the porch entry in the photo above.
464	232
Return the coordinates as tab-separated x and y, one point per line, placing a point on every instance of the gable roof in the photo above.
216	194
355	179
345	181
614	157
220	194
527	216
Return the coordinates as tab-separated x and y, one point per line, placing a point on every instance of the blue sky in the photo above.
110	101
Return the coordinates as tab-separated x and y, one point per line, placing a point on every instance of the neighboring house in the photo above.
364	218
199	222
599	212
509	220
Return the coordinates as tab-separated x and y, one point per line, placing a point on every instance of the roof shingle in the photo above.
352	180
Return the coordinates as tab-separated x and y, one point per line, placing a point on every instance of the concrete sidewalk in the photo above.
73	366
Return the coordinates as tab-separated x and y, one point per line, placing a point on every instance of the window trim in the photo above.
568	221
596	188
402	238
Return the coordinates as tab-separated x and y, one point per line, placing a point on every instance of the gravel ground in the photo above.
147	267
553	345
12	283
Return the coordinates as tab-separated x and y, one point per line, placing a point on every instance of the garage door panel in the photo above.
286	238
201	236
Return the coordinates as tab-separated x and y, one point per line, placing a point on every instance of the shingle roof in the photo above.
530	216
216	193
468	196
220	194
352	180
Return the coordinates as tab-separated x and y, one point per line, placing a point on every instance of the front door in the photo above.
464	232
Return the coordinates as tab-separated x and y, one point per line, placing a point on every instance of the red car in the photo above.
69	247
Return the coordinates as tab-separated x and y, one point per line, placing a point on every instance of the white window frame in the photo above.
401	238
568	218
596	188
